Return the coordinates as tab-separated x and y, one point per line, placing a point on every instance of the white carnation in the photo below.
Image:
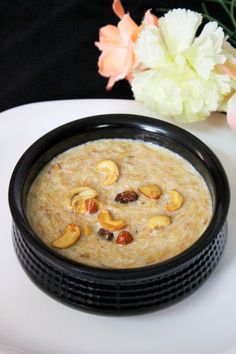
151	50
178	28
206	50
184	96
179	78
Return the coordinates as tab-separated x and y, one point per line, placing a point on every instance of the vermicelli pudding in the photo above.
119	203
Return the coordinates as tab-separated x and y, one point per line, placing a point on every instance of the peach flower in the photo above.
118	58
231	111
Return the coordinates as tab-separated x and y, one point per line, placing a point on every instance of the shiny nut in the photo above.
91	206
159	221
82	193
79	206
99	204
110	169
106	221
87	230
70	236
105	234
151	191
126	197
78	194
124	238
175	201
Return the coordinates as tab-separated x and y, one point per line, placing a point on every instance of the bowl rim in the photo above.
188	140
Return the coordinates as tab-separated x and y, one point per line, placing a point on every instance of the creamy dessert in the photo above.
119	203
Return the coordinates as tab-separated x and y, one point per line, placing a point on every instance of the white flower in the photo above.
179	78
178	28
152	53
230	64
229	68
206	50
183	95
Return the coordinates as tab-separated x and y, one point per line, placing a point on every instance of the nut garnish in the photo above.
175	201
105	219
159	221
105	234
124	238
87	230
70	236
91	206
151	191
78	195
79	206
82	193
126	197
111	171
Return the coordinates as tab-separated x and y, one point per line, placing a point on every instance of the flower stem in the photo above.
222	3
232	9
205	9
216	1
210	18
226	29
230	12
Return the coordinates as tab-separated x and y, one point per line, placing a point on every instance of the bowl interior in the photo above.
126	127
162	139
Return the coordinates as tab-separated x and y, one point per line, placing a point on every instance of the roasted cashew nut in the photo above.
70	236
175	201
106	221
77	196
159	221
111	171
151	191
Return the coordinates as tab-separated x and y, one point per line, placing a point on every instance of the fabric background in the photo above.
47	47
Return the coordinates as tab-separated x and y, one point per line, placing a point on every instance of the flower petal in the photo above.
181	94
112	62
109	37
129	61
206	50
230	65
231	111
154	90
118	8
151	49
178	28
228	69
150	19
229	51
127	28
112	80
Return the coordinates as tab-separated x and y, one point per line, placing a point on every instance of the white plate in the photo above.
31	322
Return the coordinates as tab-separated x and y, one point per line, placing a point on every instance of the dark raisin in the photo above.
105	234
126	197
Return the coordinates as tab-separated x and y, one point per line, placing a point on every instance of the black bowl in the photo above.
124	290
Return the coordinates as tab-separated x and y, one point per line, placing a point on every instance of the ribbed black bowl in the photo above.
127	290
